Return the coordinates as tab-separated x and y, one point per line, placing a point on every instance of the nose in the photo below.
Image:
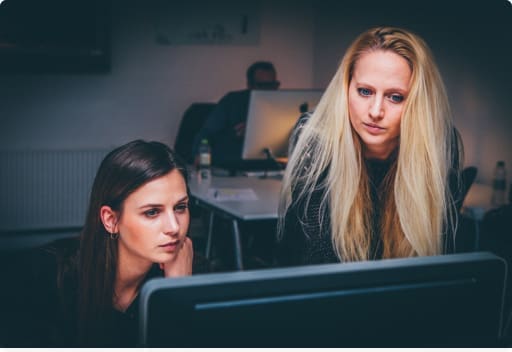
377	108
171	225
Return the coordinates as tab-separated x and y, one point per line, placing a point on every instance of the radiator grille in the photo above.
46	189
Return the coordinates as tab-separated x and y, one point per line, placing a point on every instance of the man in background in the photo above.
225	126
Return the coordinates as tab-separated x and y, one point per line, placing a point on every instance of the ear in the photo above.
109	219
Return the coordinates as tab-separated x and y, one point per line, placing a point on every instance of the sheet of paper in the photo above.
232	194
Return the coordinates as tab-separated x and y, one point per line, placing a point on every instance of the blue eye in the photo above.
151	213
397	98
364	92
181	208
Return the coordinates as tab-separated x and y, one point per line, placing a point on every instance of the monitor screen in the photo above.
271	117
452	300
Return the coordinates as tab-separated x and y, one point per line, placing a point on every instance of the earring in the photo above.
114	236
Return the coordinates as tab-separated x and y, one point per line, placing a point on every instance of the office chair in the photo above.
468	233
192	121
468	178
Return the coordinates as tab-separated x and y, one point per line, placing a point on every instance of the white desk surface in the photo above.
478	201
264	208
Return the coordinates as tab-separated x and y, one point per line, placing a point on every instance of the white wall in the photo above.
150	85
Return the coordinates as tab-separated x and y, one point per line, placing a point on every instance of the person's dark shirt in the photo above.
219	128
41	306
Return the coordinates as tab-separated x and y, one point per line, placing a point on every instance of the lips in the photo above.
170	246
373	128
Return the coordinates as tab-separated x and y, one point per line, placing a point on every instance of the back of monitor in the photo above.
271	117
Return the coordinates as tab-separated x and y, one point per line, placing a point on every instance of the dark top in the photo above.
219	128
307	238
42	306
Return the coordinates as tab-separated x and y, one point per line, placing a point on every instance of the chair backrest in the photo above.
468	177
192	121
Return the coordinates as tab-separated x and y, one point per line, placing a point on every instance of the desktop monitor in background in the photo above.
270	119
446	301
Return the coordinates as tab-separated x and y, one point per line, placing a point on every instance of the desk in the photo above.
263	208
477	201
476	204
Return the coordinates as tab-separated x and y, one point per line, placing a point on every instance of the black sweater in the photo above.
307	238
41	301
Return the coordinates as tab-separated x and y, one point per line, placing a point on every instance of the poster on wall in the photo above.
207	23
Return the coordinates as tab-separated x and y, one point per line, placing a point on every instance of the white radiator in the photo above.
46	189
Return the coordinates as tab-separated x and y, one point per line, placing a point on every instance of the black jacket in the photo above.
40	303
307	229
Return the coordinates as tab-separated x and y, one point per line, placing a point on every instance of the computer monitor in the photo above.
448	301
271	117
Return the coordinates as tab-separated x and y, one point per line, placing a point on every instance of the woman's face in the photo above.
154	221
376	97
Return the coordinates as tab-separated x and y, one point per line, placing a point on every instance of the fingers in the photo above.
188	244
181	264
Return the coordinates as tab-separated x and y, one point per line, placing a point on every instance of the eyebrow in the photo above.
182	199
156	205
397	89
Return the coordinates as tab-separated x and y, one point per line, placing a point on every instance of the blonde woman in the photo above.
375	169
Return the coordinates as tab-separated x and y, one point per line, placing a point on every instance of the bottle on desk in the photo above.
205	162
499	184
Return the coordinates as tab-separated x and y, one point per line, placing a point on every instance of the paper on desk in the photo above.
232	194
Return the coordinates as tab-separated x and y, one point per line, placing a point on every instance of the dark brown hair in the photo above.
121	173
258	65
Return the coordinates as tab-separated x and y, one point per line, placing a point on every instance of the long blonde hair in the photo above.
417	199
